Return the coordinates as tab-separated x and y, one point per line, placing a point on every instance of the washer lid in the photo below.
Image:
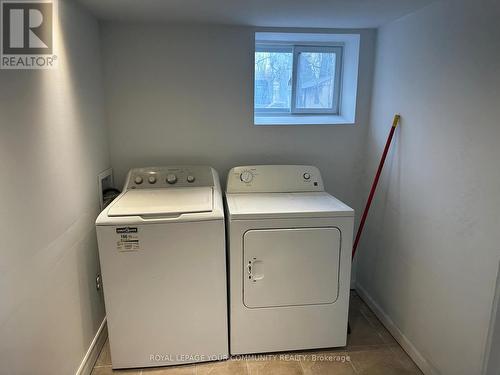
163	202
285	205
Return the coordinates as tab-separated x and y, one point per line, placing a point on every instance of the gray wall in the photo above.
184	94
52	145
430	254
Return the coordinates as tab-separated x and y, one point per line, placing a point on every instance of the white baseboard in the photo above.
405	343
491	361
93	352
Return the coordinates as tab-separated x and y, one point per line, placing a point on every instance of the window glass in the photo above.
273	80
315	80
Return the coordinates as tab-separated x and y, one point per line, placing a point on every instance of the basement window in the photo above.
304	79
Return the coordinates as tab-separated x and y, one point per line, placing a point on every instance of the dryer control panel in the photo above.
171	176
274	179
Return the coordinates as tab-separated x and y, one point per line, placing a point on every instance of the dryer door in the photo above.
291	267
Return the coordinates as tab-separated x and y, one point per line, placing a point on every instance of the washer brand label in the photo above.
126	230
128	239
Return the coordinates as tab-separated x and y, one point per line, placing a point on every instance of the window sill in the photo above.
303	120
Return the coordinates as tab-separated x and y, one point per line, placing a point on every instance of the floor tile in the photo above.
275	367
170	370
370	350
229	367
405	360
333	351
355	304
107	370
358	307
104	358
325	363
362	333
385	335
381	362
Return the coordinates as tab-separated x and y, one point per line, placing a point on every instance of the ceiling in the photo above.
278	13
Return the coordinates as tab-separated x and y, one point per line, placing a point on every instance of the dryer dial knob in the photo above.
152	179
171	178
138	180
190	179
246	177
307	176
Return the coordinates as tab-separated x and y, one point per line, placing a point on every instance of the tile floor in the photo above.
370	350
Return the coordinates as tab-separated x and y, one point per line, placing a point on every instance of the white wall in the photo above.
184	94
430	254
53	143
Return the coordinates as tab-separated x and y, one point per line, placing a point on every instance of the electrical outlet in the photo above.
104	181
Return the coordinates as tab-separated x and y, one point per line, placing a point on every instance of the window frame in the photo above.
337	50
296	49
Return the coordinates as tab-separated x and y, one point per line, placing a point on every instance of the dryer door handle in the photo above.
251	268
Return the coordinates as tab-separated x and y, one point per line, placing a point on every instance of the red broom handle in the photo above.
375	183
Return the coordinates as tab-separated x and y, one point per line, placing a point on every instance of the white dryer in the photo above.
163	263
289	254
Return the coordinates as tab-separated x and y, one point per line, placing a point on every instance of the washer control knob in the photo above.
190	179
152	179
138	180
171	178
246	177
306	176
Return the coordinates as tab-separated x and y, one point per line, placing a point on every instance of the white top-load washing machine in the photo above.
289	252
163	263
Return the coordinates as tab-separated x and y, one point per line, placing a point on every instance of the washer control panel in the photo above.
246	176
166	177
274	179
